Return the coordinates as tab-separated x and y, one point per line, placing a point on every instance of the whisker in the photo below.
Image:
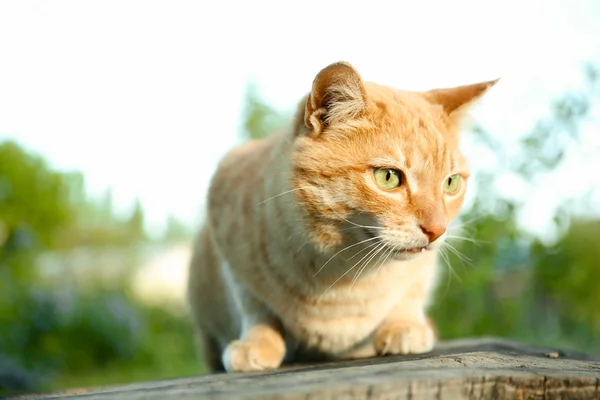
280	194
469	221
447	260
350	269
370	254
467	239
458	254
303	244
367	247
360	226
364	266
385	258
447	264
344	249
353	223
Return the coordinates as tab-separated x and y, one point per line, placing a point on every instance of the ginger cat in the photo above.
321	241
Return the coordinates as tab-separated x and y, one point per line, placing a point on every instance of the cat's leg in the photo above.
210	352
261	345
208	302
406	329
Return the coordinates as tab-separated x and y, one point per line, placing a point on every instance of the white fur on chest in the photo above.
347	315
334	328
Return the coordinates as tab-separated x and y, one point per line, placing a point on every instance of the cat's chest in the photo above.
348	313
342	317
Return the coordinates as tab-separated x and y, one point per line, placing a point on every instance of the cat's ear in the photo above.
337	95
457	100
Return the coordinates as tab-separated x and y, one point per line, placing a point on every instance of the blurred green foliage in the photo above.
260	119
515	285
500	280
30	223
57	332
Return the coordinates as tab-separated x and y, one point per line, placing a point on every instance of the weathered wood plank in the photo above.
461	369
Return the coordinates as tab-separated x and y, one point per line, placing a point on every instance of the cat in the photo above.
321	240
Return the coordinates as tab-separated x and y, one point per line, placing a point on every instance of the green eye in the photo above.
452	184
387	179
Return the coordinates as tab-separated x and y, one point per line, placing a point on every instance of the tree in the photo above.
260	119
136	223
35	208
176	230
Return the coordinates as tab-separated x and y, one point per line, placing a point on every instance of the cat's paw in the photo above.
404	337
248	356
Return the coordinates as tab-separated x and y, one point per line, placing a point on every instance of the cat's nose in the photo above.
433	231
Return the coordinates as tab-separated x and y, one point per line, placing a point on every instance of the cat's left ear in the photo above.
457	100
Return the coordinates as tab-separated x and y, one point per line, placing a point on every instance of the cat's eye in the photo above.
387	178
452	184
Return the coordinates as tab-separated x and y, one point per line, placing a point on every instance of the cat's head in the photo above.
377	164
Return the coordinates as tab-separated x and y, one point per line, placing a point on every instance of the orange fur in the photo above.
303	256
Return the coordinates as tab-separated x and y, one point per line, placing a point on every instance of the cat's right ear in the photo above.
337	95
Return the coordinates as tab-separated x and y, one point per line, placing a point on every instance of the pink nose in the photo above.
433	231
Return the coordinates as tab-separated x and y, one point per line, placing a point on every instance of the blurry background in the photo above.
113	115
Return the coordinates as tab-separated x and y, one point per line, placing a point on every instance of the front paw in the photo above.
404	337
248	356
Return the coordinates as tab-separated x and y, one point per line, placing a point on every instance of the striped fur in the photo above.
285	270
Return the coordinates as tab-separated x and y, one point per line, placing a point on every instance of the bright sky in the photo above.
145	96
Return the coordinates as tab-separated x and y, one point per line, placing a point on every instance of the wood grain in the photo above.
483	368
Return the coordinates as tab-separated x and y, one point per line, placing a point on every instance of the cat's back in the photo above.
239	171
238	184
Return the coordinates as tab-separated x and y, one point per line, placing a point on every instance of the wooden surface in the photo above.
484	368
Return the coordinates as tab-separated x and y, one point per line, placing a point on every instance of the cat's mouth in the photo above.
400	251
